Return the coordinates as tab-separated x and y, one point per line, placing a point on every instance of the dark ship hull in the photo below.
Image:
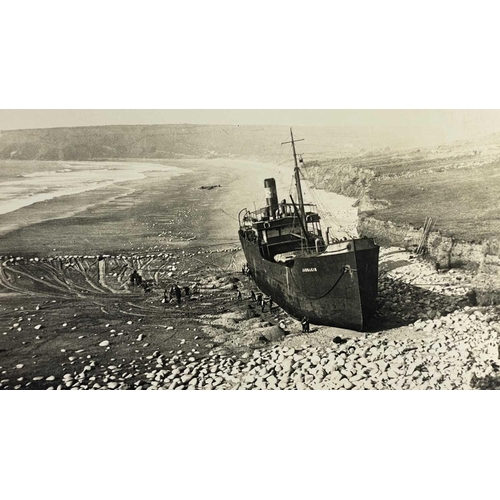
329	282
336	288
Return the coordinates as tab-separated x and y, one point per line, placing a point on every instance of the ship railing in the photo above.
284	210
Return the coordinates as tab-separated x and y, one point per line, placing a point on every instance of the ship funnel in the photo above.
271	195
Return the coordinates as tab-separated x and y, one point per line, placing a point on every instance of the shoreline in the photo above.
66	203
75	178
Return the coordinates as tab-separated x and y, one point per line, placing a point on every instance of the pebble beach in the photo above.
68	322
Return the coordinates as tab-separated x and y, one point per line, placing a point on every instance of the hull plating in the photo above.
332	289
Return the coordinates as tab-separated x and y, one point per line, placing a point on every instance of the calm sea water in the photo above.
55	179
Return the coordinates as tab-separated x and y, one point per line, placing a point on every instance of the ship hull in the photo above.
336	289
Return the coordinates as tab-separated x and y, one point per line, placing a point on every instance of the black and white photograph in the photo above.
249	250
187	256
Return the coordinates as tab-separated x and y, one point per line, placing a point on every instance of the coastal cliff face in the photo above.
456	187
446	252
340	176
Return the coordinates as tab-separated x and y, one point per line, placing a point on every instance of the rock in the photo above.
19	366
38	327
287	365
315	359
273	334
382	365
347	385
104	343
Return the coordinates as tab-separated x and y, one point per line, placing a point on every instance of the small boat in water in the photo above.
329	281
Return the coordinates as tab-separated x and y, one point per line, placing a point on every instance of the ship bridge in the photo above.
281	232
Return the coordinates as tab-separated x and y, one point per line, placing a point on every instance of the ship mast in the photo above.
297	180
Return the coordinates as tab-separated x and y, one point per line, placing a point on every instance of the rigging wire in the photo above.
322	204
230	216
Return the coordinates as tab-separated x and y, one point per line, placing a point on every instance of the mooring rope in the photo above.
344	271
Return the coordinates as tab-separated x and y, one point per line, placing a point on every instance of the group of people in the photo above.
174	292
245	270
135	279
261	300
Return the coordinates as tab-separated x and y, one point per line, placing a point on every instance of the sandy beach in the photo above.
109	207
65	180
71	320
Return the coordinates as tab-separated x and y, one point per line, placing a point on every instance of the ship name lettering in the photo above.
309	270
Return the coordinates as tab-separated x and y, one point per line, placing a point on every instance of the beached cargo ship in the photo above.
329	281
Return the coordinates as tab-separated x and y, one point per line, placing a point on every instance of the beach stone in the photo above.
347	384
315	359
260	383
104	343
382	365
283	383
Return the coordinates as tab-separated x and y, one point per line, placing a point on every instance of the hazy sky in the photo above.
452	124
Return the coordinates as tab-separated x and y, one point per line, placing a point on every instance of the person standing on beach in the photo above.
263	304
259	299
177	291
135	278
305	325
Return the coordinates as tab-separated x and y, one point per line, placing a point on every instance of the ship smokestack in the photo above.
271	196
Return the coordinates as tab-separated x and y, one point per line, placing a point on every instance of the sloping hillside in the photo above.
173	141
153	141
